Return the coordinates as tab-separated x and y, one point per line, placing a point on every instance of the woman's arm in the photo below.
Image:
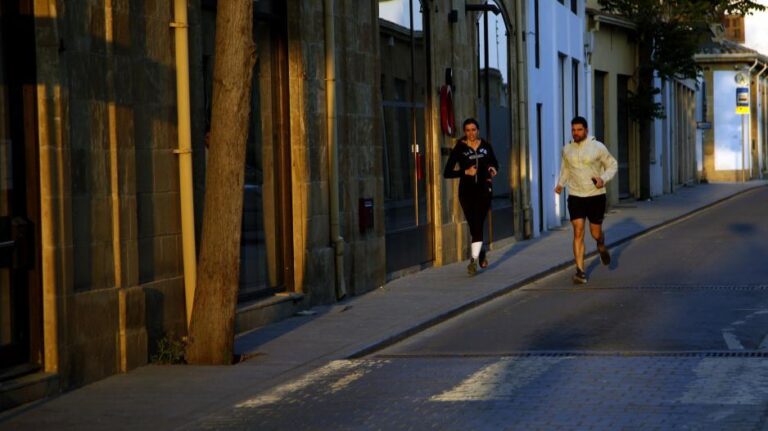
450	170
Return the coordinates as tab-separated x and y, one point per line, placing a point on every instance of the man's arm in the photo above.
563	178
610	165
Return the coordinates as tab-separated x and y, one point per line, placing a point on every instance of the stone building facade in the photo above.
91	267
100	239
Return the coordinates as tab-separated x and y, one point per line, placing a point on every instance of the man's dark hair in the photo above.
580	120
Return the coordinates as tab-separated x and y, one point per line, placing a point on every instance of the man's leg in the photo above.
595	217
578	242
597	233
578	250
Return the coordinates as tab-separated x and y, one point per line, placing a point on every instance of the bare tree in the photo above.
211	332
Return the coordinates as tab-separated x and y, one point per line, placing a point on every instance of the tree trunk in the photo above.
211	332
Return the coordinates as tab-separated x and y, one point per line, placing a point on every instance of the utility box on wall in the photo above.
365	214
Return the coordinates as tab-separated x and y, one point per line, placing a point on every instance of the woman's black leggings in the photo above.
475	201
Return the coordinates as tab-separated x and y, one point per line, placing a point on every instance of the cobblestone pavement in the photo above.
544	392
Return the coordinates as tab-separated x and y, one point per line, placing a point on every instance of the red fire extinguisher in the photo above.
418	158
447	118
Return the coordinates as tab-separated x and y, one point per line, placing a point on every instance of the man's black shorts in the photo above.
592	208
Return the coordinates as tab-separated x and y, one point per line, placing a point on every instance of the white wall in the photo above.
561	33
729	133
700	132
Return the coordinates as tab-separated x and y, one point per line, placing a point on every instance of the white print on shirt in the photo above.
482	152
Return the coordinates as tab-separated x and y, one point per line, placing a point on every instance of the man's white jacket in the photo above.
583	161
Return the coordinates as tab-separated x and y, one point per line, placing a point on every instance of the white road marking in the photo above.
763	344
497	381
731	341
348	380
280	392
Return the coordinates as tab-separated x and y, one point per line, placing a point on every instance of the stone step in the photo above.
261	312
26	388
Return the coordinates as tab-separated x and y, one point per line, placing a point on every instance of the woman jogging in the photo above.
477	166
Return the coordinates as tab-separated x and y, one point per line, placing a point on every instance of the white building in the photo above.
556	93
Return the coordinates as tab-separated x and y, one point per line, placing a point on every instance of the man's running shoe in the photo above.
472	268
483	259
580	277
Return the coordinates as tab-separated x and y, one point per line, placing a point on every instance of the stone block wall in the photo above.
361	153
110	194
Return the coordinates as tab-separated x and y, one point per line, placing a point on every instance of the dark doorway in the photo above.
599	122
622	127
20	327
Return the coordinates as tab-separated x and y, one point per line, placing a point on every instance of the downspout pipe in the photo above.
747	131
522	73
759	116
184	151
332	128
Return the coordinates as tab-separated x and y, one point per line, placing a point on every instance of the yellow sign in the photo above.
742	100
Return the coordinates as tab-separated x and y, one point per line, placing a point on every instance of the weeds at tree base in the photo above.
171	350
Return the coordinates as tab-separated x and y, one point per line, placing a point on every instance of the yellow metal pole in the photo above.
185	152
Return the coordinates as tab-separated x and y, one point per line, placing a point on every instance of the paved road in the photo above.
698	285
671	336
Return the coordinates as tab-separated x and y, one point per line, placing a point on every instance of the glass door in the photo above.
403	58
266	245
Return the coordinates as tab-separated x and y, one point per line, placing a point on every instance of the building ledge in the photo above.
264	311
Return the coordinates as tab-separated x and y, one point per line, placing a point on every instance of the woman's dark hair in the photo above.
470	121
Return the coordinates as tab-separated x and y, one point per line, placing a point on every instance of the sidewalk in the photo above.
169	397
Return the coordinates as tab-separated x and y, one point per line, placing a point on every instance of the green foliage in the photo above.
642	107
171	350
668	34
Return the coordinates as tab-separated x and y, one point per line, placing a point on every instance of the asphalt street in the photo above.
698	285
672	335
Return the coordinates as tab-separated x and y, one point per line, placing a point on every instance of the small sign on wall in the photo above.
365	214
742	100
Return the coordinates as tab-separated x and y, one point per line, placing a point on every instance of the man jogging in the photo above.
585	168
